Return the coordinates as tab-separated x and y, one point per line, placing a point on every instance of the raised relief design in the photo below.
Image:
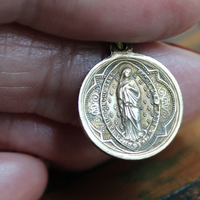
130	105
128	100
128	97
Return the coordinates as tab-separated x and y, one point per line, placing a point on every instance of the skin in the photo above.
43	63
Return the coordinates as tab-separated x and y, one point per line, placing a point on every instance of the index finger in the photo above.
124	21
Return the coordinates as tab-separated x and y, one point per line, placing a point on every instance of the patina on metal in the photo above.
130	105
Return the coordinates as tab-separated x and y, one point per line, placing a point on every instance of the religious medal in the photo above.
130	105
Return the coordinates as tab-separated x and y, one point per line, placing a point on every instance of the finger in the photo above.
63	146
22	177
42	75
125	21
184	65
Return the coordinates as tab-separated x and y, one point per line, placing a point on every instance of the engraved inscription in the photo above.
129	104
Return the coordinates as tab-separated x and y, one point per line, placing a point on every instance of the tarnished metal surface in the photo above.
130	105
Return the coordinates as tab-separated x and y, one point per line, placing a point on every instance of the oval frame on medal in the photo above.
130	106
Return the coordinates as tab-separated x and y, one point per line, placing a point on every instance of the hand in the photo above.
40	76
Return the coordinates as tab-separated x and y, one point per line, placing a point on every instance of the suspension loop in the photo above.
119	46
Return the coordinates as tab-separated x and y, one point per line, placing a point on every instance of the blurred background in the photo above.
189	39
174	174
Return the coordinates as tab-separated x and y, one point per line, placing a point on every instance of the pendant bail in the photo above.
120	47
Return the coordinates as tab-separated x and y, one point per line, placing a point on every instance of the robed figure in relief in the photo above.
129	97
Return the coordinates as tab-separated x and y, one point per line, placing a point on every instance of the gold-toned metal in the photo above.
120	46
130	105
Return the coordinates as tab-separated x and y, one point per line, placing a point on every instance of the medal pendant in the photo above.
130	105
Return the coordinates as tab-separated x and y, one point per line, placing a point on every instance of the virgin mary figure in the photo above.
128	95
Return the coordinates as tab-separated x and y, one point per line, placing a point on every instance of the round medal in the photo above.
130	105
